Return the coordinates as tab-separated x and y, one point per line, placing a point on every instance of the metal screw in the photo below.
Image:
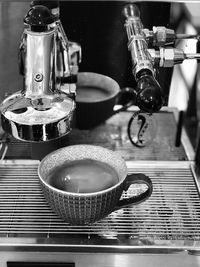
38	77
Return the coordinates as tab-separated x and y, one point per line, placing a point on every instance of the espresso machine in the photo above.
43	109
164	230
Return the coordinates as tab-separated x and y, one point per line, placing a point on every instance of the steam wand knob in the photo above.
38	18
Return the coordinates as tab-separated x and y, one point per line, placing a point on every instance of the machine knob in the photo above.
131	10
54	6
149	94
38	18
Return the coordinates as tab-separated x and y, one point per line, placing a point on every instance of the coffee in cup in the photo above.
83	176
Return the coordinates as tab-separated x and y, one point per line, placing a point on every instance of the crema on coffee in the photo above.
91	94
83	176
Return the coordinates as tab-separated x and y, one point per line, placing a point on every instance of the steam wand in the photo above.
149	96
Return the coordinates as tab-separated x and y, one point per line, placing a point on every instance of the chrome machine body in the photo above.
149	50
41	111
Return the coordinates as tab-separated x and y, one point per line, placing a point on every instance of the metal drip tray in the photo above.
169	219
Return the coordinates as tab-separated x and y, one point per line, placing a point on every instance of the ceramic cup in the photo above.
96	97
79	208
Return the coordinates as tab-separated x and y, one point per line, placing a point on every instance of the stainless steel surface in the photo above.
163	146
160	36
101	259
113	135
141	39
18	149
137	44
3	146
40	76
169	220
21	119
40	111
168	57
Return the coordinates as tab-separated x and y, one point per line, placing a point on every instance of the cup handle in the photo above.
135	178
122	95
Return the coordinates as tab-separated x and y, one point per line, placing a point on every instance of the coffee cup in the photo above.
84	183
96	97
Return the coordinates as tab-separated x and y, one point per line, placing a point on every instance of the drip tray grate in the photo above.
171	213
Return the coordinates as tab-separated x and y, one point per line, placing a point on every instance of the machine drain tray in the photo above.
113	135
170	218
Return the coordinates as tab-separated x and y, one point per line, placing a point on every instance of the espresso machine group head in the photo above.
41	111
149	50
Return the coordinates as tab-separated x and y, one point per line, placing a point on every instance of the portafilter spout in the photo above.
41	111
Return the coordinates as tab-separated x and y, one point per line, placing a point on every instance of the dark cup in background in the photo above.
97	95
